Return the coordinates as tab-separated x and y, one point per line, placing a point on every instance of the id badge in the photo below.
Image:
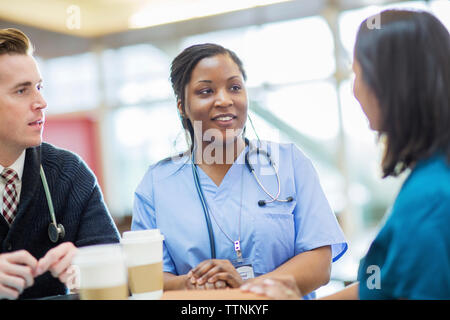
244	267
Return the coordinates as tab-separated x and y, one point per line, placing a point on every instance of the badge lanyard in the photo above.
236	243
243	266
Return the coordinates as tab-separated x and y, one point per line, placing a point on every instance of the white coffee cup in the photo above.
143	251
102	272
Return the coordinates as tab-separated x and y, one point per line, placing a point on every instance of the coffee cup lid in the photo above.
140	235
98	253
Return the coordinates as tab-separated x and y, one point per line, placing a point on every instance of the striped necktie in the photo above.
10	198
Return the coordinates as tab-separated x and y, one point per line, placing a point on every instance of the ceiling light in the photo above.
172	11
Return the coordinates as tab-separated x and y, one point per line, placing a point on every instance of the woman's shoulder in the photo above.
162	170
169	166
424	199
288	158
429	179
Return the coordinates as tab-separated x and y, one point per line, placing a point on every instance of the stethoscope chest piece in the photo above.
56	232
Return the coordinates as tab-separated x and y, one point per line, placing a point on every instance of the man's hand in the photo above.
16	273
58	261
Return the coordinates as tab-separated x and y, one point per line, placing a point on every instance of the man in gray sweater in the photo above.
36	253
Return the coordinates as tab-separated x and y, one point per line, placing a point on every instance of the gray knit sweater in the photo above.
78	205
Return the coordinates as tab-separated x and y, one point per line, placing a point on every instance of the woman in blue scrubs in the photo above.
402	82
252	235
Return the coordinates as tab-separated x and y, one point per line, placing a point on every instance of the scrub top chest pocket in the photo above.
274	235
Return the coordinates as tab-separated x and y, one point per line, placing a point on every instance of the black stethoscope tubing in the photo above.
205	211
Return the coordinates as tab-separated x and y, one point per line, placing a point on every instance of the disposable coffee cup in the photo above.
143	251
102	272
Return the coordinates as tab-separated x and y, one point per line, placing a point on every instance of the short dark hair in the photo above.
181	71
406	63
14	41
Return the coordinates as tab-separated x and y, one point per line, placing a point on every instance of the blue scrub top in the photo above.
167	199
410	257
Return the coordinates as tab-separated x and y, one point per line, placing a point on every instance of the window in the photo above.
71	83
136	74
140	135
311	108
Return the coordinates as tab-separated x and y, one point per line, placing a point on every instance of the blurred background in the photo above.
105	65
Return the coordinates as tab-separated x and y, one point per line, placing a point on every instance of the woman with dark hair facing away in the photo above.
226	213
402	82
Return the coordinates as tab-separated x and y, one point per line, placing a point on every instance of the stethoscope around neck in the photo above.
55	231
250	167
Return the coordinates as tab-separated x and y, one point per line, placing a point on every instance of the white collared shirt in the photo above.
17	166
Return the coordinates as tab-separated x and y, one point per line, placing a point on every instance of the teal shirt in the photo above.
410	257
